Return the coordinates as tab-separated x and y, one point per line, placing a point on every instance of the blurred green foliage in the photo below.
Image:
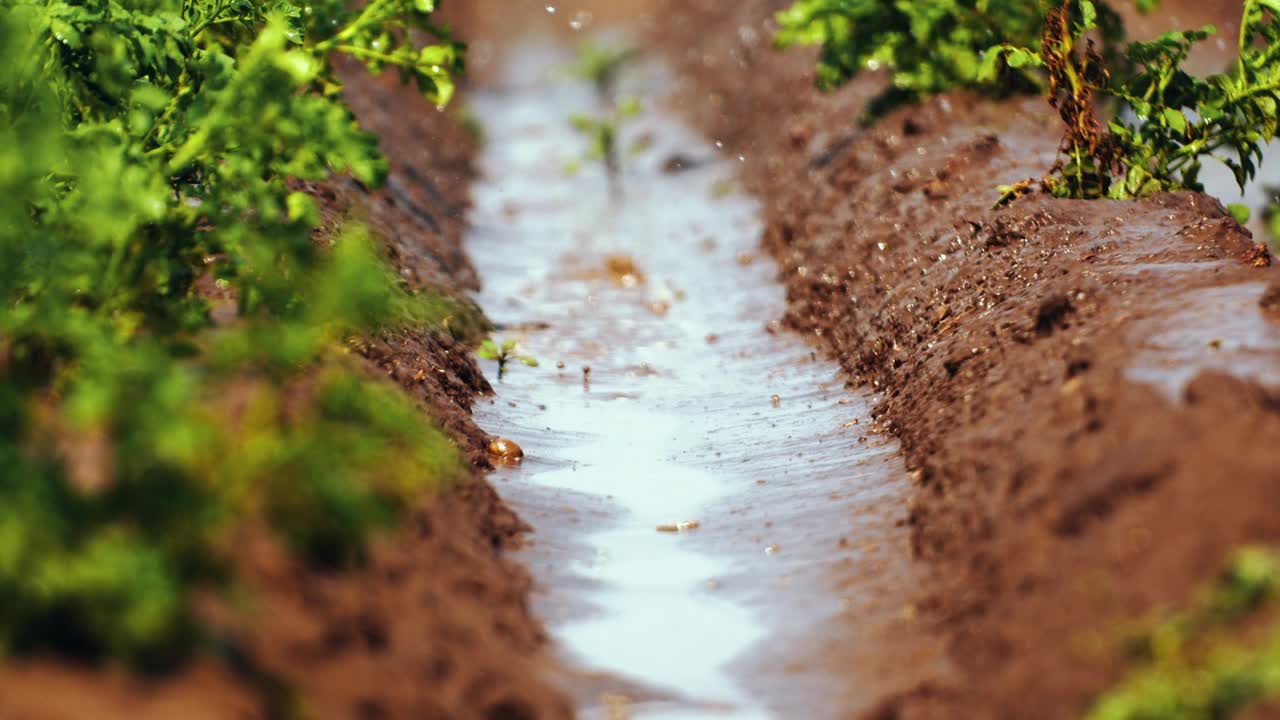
601	64
926	47
1192	666
1271	213
146	150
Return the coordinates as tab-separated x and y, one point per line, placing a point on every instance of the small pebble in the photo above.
684	526
505	450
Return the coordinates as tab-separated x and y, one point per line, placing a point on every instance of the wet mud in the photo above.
1083	391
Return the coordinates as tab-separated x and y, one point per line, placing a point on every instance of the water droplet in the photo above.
581	20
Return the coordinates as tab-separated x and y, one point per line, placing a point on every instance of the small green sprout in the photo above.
600	65
603	133
503	353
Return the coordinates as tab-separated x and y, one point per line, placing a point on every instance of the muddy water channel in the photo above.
706	496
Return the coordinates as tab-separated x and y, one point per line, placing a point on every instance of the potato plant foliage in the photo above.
926	47
1168	121
146	153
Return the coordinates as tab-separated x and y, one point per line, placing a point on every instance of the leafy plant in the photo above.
926	47
603	136
1169	120
1191	668
146	153
503	353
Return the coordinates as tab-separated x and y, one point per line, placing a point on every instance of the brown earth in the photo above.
438	624
1078	386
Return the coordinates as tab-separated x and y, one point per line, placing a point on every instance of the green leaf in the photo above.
1175	119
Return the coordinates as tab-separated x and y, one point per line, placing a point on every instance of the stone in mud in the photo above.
505	450
624	272
683	526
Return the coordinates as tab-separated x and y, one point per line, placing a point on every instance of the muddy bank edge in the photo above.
1079	388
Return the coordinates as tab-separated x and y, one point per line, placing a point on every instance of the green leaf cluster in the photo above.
1168	122
1191	667
926	47
172	371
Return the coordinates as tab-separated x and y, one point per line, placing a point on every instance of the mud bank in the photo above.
438	624
1082	390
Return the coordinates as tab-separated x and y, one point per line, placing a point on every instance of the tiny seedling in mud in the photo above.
504	353
926	47
602	134
600	66
1167	121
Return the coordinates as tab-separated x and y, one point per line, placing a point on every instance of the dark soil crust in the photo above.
1055	495
438	625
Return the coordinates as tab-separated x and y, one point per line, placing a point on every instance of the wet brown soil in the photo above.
1081	389
438	624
